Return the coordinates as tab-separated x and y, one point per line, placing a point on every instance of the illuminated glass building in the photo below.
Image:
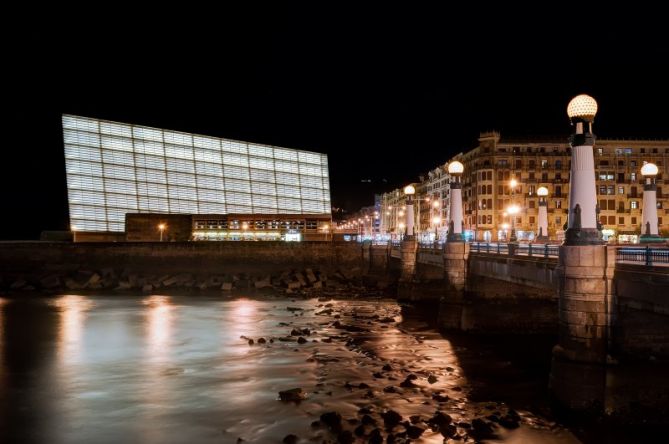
115	168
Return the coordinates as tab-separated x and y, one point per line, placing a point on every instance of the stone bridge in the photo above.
608	307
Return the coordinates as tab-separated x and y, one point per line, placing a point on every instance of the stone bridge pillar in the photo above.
455	271
408	252
578	374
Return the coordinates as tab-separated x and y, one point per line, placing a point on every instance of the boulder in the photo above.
292	395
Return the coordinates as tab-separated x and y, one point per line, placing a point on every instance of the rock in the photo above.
387	320
414	431
226	286
481	429
345	437
509	422
311	277
407	383
390	389
432	379
377	375
51	281
439	397
332	420
18	284
375	437
294	286
93	281
317	285
292	395
439	420
414	419
147	288
295	332
290	439
391	418
261	340
294	309
367	420
316	424
359	431
301	340
250	341
262	283
364	410
71	284
448	431
386	367
169	281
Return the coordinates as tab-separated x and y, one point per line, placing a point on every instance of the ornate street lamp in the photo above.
409	191
582	226
513	210
161	228
649	226
455	224
542	236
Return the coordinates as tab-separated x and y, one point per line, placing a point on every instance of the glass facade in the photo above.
117	168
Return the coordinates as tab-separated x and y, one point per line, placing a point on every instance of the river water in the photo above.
170	369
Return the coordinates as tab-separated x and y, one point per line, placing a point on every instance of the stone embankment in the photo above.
287	282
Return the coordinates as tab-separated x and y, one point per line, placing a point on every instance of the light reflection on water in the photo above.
174	369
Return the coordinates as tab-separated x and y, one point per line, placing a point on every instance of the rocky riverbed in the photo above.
159	368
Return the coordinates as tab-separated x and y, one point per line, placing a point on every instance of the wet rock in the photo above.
439	397
481	429
293	309
386	368
271	341
51	281
367	420
292	395
464	425
364	410
290	439
332	420
448	431
432	379
325	312
390	389
391	418
359	431
375	437
414	431
316	424
250	341
386	320
352	421
295	332
449	369
301	340
345	437
261	340
509	421
439	420
408	382
377	375
456	389
414	419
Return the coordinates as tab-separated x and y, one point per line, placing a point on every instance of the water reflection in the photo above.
72	312
159	319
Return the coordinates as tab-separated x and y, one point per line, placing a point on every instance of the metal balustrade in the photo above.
519	249
647	256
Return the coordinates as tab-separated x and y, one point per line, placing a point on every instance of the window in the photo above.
621	163
532	164
519	164
599	151
489	219
612	220
490	204
602	220
558	164
531	204
602	189
558	220
633	191
544	177
532	176
621	190
531	190
558	204
558	191
633	220
632	163
558	176
621	177
610	190
659	205
544	163
633	177
634	204
532	220
621	221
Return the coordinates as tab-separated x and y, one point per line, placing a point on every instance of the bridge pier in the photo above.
408	252
579	366
455	268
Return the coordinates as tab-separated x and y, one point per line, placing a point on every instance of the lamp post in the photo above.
649	226
161	228
582	226
513	210
505	228
409	191
542	192
455	234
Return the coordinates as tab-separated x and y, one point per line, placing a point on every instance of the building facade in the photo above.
115	168
546	162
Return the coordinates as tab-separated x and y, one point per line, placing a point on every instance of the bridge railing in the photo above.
516	249
643	255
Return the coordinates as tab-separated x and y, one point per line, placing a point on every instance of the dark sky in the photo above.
385	93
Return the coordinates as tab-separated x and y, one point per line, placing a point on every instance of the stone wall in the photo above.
50	263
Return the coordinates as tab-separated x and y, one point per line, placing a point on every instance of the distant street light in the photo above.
161	228
542	236
513	210
649	225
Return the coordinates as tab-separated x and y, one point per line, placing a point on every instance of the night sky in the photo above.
385	93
